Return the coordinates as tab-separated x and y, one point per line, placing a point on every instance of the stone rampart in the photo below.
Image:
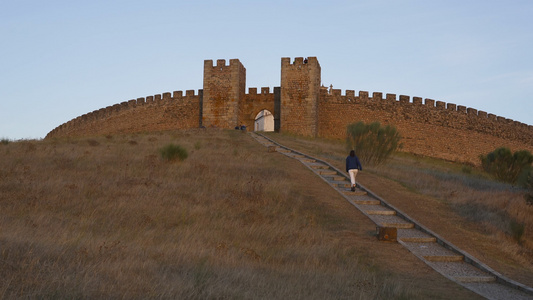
224	88
301	106
428	127
152	113
300	86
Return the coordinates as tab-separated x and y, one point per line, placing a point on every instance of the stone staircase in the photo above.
439	254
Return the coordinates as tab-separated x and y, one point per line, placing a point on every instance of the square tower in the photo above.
300	88
224	88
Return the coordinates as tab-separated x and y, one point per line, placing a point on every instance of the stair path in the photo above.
436	252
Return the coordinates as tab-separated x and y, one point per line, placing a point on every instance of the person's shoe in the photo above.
353	188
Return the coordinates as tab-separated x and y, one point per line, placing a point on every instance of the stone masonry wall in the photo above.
153	113
432	128
300	87
224	88
301	106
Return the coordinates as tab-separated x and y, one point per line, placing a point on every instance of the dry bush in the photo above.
372	142
114	221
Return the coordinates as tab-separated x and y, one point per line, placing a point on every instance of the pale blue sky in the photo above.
61	59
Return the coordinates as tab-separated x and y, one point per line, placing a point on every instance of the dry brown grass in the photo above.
106	217
479	203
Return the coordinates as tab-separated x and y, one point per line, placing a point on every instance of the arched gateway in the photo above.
264	121
300	105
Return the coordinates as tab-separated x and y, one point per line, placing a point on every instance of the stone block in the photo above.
388	234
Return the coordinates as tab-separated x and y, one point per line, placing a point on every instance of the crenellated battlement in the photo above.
263	91
102	114
221	64
349	96
299	61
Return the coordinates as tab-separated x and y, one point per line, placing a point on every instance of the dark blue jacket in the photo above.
352	162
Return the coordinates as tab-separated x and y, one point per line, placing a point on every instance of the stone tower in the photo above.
300	88
224	88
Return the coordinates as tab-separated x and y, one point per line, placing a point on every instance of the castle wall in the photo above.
301	106
224	88
300	87
153	113
429	127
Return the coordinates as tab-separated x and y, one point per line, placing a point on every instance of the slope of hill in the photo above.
107	217
457	201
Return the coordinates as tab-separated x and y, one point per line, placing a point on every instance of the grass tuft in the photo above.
172	152
517	231
93	142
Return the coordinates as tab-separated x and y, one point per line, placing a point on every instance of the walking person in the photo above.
352	167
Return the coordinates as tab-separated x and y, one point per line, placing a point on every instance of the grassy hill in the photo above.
458	202
106	217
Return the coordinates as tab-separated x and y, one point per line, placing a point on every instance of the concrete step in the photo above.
419	239
415	236
391	221
444	258
463	272
470	279
307	160
344	184
356	193
334	177
381	212
366	202
318	166
398	225
327	172
378	210
434	252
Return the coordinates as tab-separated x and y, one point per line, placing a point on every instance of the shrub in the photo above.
504	165
372	142
4	141
93	143
467	169
197	145
173	152
529	185
529	198
517	231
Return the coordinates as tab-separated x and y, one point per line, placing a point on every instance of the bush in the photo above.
4	141
93	143
505	166
372	143
517	231
529	185
173	152
197	145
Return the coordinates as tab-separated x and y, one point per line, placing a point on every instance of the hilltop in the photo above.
105	216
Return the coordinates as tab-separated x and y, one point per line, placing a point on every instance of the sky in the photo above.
62	59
